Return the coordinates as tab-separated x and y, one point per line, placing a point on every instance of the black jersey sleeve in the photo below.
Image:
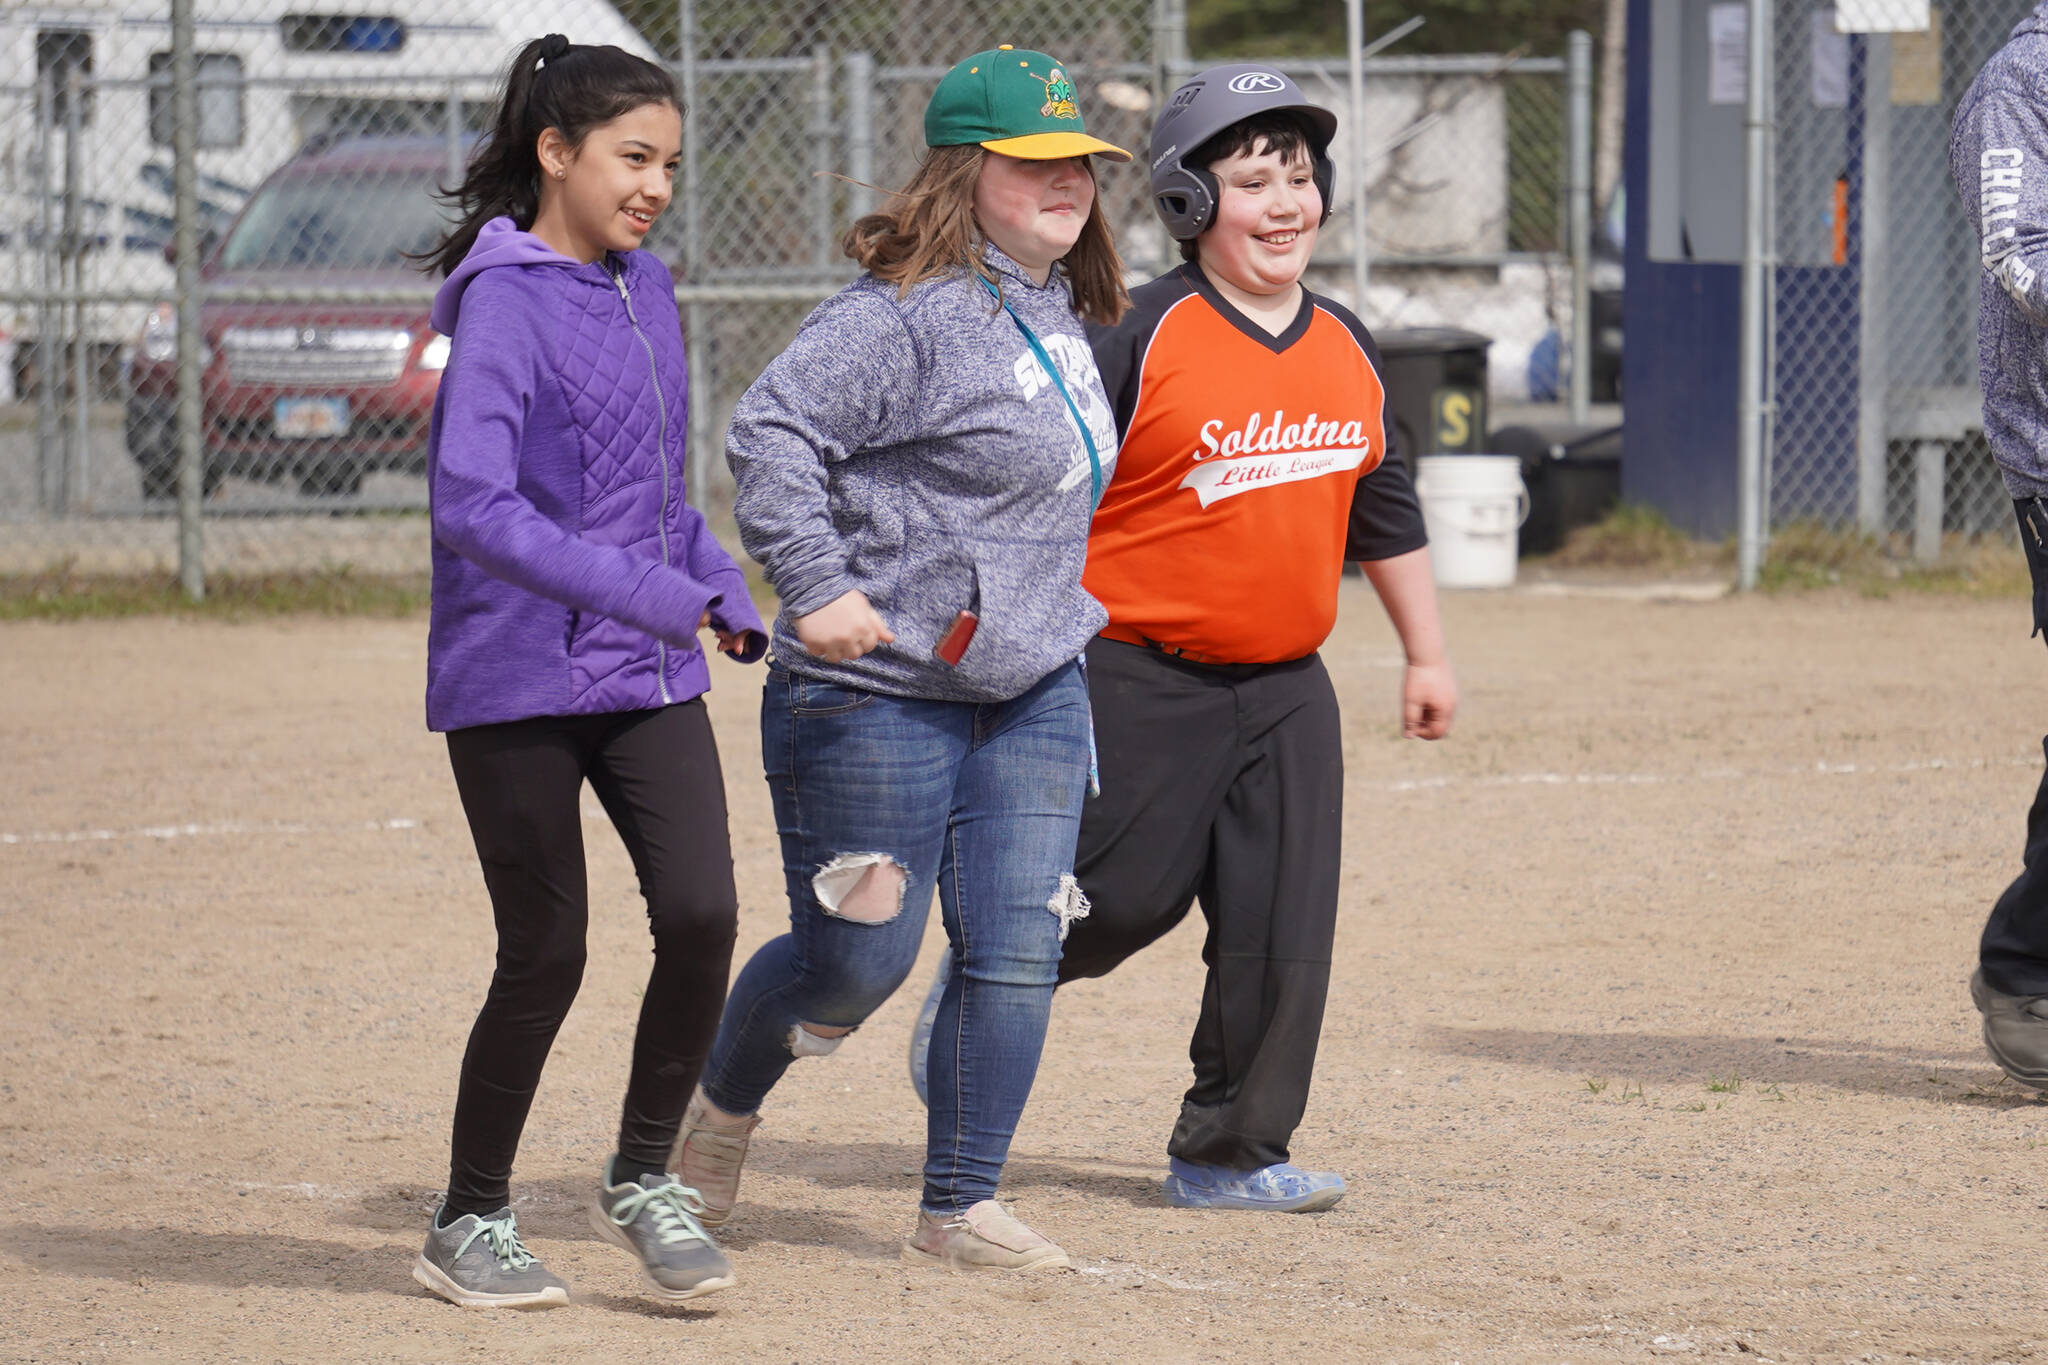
1116	354
1386	516
1120	349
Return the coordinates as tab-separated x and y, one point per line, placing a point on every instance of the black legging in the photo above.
657	774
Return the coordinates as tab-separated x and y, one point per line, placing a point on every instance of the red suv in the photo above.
319	393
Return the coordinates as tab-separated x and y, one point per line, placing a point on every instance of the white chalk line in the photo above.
1703	775
1400	786
198	831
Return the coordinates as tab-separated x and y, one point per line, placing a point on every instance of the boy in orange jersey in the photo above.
1253	463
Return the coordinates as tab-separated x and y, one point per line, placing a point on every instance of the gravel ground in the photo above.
1648	1034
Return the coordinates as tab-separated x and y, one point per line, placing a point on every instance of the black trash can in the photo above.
1573	474
1436	390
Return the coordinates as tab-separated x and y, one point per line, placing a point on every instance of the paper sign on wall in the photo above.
1830	62
1727	54
1880	16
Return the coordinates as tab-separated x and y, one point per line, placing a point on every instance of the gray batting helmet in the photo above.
1209	102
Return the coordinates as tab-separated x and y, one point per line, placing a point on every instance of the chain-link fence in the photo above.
1871	364
320	138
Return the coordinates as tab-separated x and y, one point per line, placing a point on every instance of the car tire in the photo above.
332	481
153	445
160	479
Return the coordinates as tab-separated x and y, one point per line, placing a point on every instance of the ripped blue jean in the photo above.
983	800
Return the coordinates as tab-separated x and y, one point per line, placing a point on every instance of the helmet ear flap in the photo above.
1186	201
1325	173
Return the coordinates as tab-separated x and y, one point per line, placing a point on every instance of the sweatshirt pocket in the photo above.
927	590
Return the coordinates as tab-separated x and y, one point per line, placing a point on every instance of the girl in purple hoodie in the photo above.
571	582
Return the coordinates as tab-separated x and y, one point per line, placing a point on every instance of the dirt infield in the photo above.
1648	1036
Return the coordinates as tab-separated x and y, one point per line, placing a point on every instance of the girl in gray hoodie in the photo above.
917	472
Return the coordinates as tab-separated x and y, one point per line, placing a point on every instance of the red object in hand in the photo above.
953	644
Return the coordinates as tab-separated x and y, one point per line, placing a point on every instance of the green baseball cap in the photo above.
1014	101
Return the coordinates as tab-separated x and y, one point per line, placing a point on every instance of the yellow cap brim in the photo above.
1054	146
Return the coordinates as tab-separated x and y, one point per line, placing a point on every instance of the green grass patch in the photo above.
61	595
1804	555
1807	554
1636	537
1801	556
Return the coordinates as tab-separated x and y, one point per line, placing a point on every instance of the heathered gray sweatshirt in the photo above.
1998	154
915	449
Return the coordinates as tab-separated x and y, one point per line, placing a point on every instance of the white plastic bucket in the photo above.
1473	507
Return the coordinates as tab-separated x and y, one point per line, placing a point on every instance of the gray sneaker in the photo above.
2015	1031
481	1263
659	1225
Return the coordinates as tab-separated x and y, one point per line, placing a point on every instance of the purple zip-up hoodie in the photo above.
569	573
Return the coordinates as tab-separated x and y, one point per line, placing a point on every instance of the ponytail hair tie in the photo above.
552	47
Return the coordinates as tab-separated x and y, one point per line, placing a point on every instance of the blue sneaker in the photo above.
1279	1188
921	1033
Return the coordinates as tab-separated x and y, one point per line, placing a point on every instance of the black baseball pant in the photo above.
2014	950
1222	784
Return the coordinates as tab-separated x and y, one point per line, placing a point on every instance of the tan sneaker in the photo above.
986	1237
708	1156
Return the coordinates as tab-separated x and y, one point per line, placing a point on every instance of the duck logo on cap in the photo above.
1059	96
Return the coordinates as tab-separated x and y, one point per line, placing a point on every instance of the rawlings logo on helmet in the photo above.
1185	195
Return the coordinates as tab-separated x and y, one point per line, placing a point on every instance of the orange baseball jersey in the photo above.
1250	467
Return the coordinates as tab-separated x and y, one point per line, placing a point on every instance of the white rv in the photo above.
274	74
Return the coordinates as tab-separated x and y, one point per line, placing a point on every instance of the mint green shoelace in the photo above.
674	1208
505	1244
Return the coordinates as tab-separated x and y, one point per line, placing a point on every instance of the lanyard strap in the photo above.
1080	422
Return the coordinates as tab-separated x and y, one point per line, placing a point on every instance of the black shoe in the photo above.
2015	1031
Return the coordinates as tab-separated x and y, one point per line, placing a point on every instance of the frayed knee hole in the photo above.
866	888
804	1043
1070	903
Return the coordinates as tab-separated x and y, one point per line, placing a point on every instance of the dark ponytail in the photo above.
552	84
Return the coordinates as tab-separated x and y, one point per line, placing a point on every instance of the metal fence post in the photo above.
697	351
1169	48
860	131
185	157
1873	284
71	486
1756	153
819	196
1579	125
454	133
48	323
1613	81
1162	75
1354	38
